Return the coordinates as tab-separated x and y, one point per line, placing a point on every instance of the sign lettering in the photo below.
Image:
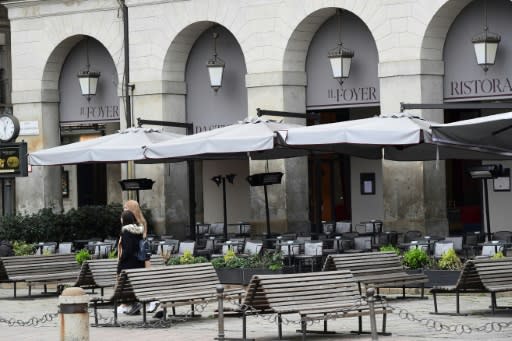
106	112
353	95
198	129
480	87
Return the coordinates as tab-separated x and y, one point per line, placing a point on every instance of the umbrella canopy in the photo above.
254	137
399	137
125	145
489	132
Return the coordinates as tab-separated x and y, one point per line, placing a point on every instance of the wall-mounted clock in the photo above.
9	127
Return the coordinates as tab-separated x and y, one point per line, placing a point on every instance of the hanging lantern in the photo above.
486	45
88	79
215	67
340	57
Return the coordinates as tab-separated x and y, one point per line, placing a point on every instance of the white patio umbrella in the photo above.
125	145
399	137
491	132
254	138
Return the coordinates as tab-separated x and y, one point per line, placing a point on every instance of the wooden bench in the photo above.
480	276
377	269
102	273
314	296
61	269
172	286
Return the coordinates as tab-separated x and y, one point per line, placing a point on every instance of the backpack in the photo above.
144	252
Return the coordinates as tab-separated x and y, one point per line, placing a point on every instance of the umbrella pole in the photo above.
486	202
266	211
225	209
192	198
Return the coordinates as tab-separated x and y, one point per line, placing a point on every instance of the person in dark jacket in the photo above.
131	234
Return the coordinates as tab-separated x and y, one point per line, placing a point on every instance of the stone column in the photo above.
289	201
168	200
42	187
414	192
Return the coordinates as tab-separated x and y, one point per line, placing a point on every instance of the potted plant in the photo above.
447	270
416	259
82	255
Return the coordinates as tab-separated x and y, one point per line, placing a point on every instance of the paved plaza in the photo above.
259	328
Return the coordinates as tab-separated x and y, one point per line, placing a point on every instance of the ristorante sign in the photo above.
478	88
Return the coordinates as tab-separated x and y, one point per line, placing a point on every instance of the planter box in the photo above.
441	277
241	276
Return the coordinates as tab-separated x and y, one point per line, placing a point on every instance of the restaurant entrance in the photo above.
329	179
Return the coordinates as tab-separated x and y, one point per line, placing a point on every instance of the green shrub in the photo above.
389	247
82	255
450	261
21	248
416	258
112	254
498	255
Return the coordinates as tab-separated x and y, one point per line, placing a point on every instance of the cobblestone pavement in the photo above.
205	327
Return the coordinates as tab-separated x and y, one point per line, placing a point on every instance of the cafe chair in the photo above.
328	228
440	247
313	252
186	246
166	248
252	248
489	249
502	235
64	247
343	227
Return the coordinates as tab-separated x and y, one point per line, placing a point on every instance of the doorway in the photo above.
329	179
463	194
92	184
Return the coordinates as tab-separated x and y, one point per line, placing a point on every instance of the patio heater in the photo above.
485	172
136	185
265	179
220	179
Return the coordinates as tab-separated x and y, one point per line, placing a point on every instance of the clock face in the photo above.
8	128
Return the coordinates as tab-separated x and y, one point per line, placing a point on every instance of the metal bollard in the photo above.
370	298
74	315
220	317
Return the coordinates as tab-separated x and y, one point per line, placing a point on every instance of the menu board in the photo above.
13	160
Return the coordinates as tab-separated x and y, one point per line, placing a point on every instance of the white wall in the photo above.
237	194
368	206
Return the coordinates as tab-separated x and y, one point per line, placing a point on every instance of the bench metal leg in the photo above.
325	323
165	312
422	290
101	290
384	318
192	309
96	313
458	302
434	296
45	288
280	326
360	322
493	302
144	312
303	328
14	286
29	290
115	312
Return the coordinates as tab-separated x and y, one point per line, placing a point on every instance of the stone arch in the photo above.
175	61
56	58
437	28
297	46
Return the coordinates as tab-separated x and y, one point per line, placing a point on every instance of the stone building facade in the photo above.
276	58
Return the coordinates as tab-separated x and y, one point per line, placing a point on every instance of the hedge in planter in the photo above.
81	223
233	269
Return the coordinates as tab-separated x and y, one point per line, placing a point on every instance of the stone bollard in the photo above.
370	298
74	315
